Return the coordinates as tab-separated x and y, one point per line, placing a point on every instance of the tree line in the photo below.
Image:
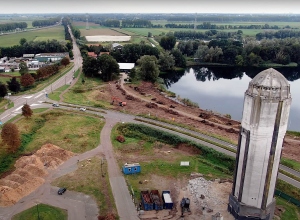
12	26
234	17
208	25
278	34
207	35
48	22
35	47
249	53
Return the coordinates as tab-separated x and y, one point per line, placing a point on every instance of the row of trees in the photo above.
42	23
208	25
136	23
35	47
278	34
12	26
207	35
234	17
249	53
111	23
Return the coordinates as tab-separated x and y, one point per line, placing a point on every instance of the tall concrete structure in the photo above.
265	118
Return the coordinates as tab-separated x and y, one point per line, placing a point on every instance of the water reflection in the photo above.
222	89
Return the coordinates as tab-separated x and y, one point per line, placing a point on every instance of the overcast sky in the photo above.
150	6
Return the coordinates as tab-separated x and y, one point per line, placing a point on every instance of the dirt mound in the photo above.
29	173
12	184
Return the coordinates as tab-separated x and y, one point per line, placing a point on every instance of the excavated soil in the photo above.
30	172
146	99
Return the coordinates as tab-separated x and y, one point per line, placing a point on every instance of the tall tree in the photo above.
166	61
90	67
108	66
149	70
27	80
179	58
23	68
22	41
167	42
65	61
11	137
3	90
13	85
26	111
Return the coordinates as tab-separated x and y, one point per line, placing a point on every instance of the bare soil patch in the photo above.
29	173
146	99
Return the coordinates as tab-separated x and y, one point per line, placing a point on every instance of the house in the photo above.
92	54
131	168
101	53
116	46
2	69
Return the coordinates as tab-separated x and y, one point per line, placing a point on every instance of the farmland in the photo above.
38	35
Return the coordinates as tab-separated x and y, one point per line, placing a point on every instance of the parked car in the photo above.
55	105
61	191
82	109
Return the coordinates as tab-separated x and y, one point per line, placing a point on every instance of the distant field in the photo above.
43	34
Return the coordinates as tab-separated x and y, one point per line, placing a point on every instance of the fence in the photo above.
287	197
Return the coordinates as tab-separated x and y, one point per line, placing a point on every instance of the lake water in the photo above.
221	89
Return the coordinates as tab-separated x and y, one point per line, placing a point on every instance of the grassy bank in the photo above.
70	131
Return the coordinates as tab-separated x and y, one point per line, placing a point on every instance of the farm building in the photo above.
126	66
131	168
47	57
116	46
28	56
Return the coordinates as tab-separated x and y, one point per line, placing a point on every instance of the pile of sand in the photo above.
30	172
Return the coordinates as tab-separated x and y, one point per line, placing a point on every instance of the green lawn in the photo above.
55	95
291	212
42	211
57	33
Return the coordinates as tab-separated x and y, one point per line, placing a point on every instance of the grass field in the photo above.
43	34
91	178
291	212
85	94
42	211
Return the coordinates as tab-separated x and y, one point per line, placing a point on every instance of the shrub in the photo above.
120	138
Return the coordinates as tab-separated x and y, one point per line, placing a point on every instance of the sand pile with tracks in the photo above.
30	173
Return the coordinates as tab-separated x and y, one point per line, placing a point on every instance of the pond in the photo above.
221	89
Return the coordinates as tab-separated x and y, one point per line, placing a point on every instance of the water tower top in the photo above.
269	84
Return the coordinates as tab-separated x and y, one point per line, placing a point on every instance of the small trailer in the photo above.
131	168
167	200
146	200
157	201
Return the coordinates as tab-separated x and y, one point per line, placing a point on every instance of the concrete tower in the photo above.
265	117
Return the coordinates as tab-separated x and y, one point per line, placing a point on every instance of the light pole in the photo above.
37	207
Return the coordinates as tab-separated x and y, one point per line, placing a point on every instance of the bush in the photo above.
120	138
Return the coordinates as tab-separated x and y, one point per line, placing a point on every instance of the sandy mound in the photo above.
29	173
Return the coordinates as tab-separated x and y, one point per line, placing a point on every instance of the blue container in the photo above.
167	200
157	201
131	168
146	201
